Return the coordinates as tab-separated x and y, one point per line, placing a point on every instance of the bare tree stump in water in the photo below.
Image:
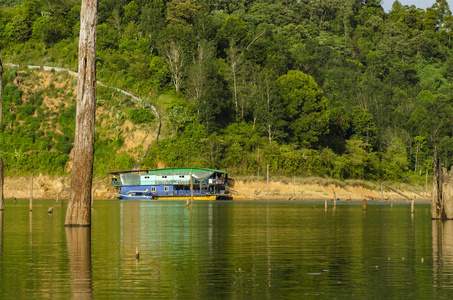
79	206
435	203
442	199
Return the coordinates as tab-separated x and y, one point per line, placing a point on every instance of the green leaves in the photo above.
315	85
305	112
141	115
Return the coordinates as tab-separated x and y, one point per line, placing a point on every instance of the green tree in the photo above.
363	127
430	21
131	12
18	29
182	12
305	113
206	87
268	109
152	21
419	144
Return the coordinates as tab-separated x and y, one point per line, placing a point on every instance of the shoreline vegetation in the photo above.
244	188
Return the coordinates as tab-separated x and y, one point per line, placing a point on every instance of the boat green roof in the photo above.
172	171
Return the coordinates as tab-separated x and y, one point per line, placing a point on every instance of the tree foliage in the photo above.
337	88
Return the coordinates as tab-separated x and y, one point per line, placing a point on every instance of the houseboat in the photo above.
171	183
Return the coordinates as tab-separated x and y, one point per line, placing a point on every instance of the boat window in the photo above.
166	188
146	177
181	176
153	189
164	176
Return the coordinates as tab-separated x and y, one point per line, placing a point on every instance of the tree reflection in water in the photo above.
1	233
79	249
443	252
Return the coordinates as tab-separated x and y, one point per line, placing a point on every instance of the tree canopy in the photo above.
310	87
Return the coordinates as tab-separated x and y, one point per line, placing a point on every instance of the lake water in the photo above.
221	249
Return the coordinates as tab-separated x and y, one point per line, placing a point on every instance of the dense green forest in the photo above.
311	87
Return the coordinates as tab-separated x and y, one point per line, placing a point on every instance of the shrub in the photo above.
139	116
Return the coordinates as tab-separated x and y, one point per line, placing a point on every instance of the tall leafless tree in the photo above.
79	207
234	63
173	54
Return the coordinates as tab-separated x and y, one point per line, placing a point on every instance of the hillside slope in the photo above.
38	129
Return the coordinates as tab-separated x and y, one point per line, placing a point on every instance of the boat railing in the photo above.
204	183
164	181
126	183
182	182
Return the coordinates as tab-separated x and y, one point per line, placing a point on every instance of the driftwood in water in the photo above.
79	206
417	193
294	198
396	191
442	198
373	198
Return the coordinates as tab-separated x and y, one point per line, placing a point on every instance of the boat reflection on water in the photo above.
79	250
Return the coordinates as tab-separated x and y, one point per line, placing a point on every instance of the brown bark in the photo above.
79	206
1	184
436	193
447	196
1	84
442	199
1	112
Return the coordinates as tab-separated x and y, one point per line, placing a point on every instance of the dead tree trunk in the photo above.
79	206
436	200
1	112
396	191
435	203
1	184
442	199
